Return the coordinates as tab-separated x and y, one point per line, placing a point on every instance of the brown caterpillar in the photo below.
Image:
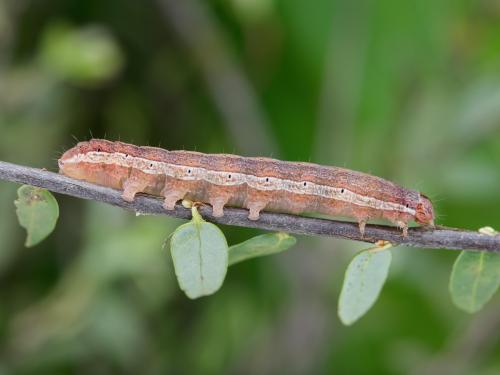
252	183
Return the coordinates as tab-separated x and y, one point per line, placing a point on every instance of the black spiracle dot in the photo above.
342	190
305	183
407	205
151	165
267	179
228	176
189	170
98	149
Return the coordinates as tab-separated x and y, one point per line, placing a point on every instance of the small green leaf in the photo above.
364	278
37	211
474	279
266	244
200	254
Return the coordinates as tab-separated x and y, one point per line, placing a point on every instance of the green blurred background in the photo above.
407	90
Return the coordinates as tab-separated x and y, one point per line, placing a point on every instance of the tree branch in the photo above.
445	238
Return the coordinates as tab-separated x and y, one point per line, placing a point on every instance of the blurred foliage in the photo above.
407	90
87	57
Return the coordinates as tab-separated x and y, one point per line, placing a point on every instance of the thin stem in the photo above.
441	237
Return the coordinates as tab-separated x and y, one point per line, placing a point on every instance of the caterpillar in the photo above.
254	183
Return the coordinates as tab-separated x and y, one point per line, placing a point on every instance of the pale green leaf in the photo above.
200	254
266	244
474	279
37	211
364	278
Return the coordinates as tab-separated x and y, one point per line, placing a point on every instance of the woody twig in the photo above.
438	238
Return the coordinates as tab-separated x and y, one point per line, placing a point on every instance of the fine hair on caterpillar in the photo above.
254	183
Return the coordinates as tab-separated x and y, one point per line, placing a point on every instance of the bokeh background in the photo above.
407	90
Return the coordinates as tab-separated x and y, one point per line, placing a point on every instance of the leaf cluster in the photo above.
201	257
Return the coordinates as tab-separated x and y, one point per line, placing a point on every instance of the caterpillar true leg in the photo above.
362	224
404	226
218	205
171	195
132	186
254	208
256	201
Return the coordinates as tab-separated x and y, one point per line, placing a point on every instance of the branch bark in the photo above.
441	237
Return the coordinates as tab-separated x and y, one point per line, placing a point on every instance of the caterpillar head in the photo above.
424	213
73	155
69	162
